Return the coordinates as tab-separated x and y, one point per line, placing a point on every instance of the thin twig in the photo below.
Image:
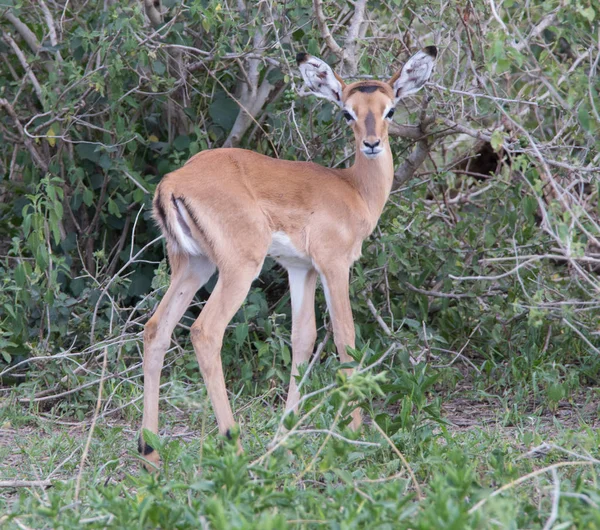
25	483
377	316
555	500
404	461
94	419
525	478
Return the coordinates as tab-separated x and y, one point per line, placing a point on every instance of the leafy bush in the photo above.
480	283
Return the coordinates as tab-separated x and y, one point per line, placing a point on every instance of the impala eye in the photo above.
347	116
390	114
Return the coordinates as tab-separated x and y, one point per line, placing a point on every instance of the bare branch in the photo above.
25	65
28	35
411	164
325	33
405	131
37	158
546	22
460	128
154	11
51	27
349	53
377	316
254	92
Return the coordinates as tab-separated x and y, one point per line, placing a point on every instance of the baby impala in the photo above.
228	209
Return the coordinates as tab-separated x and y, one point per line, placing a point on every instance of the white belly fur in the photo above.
284	252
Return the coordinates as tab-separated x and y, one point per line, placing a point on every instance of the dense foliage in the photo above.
480	284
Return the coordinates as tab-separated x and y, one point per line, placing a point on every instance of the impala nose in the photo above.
373	145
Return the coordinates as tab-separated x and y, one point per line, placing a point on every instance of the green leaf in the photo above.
26	225
182	142
203	485
194	148
151	439
555	392
490	236
53	221
313	47
241	333
503	65
19	275
58	209
285	355
274	75
88	197
223	111
498	50
138	195
497	140
104	161
113	209
159	67
88	152
529	205
588	13
583	113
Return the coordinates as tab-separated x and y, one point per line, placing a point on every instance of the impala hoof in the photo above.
234	434
150	455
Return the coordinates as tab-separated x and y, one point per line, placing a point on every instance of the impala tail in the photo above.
179	224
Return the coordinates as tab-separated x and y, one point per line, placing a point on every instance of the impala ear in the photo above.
320	79
414	74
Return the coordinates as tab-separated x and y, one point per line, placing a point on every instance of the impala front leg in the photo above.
336	285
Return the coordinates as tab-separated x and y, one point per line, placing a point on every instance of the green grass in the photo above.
489	396
468	442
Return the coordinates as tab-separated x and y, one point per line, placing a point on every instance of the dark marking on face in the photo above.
370	123
144	448
366	89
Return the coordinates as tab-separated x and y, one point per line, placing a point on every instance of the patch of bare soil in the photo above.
468	413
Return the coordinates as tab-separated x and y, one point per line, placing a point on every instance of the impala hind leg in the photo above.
304	330
207	337
189	273
335	279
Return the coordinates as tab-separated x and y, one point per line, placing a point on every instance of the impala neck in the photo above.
373	179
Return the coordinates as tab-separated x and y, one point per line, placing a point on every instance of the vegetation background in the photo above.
476	300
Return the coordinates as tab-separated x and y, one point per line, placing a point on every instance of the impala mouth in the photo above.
372	152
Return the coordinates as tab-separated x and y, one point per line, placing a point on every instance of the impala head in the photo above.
368	106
